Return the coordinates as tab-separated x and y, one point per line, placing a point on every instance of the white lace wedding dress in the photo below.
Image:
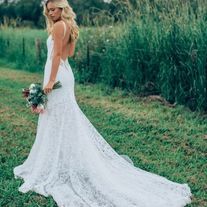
73	163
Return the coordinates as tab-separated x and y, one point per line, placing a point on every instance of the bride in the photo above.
69	159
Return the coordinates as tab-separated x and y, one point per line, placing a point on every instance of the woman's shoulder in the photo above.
59	24
58	27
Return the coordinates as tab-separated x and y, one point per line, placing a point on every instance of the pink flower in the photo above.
25	92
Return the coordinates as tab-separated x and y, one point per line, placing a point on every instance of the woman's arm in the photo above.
58	32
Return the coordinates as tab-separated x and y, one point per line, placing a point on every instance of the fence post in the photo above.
38	49
88	55
23	47
8	42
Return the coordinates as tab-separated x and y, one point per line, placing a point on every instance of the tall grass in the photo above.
161	48
19	46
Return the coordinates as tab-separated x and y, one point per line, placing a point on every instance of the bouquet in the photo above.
35	96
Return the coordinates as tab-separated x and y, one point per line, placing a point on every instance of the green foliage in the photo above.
30	12
161	48
20	47
90	13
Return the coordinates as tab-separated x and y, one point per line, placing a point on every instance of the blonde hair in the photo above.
67	14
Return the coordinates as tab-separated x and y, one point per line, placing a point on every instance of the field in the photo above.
169	141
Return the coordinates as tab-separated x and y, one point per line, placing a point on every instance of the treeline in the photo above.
89	13
93	12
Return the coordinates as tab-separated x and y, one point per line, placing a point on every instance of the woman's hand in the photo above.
48	88
34	110
37	110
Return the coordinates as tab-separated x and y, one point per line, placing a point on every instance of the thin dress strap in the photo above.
63	37
64	28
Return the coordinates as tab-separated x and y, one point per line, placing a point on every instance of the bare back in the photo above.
66	45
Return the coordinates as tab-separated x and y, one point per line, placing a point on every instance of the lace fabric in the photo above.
73	163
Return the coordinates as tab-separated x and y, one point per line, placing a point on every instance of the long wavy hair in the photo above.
67	14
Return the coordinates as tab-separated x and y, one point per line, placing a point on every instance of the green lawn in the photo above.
169	141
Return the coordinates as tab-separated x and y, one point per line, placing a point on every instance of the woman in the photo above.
69	159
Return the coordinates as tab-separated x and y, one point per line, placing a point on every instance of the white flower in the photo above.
32	86
33	91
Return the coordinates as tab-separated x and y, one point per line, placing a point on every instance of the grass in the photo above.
169	141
